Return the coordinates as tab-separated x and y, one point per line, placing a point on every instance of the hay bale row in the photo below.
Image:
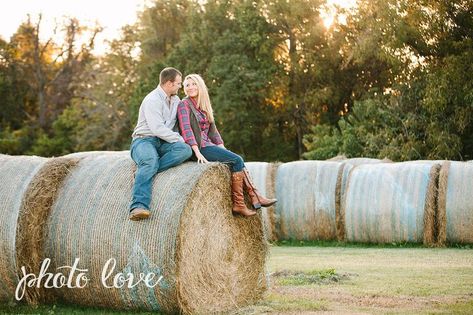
210	260
16	173
375	201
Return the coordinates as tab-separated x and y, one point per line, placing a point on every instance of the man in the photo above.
155	146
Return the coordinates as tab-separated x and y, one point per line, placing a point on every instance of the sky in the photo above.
111	15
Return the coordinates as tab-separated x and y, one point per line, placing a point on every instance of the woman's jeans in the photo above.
153	155
217	154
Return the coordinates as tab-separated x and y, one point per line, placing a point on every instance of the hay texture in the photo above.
264	175
210	260
38	198
306	192
391	202
16	173
340	192
458	204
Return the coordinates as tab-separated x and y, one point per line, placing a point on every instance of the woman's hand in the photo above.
201	158
198	155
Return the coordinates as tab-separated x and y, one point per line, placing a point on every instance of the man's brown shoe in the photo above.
139	214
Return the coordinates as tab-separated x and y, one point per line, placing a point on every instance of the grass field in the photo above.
351	280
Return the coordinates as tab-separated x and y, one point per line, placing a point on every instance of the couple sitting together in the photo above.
170	130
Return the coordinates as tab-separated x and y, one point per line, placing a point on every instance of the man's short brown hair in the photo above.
168	74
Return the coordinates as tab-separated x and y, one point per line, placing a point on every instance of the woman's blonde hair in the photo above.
203	99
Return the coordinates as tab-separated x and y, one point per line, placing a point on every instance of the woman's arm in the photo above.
214	136
183	115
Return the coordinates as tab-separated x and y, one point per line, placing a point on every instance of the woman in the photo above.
197	127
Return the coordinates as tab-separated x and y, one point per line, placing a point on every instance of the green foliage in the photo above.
395	80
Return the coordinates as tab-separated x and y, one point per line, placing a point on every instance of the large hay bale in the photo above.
458	203
391	202
16	173
306	192
264	176
210	260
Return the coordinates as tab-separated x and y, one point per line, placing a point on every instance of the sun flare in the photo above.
328	15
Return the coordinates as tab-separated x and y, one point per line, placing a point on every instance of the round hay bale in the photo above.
389	202
209	260
16	173
458	203
263	175
306	192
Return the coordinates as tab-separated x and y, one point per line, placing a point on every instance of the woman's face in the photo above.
190	88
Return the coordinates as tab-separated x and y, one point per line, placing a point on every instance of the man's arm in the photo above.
154	119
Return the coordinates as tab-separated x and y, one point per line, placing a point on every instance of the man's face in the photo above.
175	86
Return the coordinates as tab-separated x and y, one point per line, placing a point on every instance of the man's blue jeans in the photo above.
153	155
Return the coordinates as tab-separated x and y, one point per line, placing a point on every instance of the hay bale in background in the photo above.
37	201
387	202
210	260
264	176
458	204
306	200
16	173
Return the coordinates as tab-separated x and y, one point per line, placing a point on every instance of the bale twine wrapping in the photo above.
340	191
389	202
210	260
263	175
306	200
38	198
459	204
16	173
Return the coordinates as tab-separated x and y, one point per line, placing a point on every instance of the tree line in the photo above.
391	78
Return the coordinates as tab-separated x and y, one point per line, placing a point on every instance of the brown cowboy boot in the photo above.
238	199
257	200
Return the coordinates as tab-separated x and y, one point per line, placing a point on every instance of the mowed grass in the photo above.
349	280
411	280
